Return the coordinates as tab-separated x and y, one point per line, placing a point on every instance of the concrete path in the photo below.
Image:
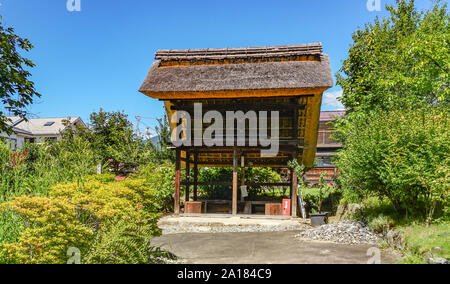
262	248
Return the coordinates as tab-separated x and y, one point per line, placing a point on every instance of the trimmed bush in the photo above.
402	155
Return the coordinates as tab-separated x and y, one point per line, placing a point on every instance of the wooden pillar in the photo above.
195	176
294	185
177	182
295	122
188	175
235	182
242	177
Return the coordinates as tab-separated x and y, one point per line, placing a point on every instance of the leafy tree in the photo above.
401	155
399	61
16	90
161	151
114	141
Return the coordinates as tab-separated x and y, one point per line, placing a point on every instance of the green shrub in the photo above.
382	223
126	240
317	195
403	156
226	175
160	185
109	222
51	227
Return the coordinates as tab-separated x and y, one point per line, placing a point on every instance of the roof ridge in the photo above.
240	52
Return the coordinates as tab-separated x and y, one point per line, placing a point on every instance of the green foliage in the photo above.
112	138
403	156
160	182
51	227
421	240
219	192
35	168
16	90
316	195
161	151
399	61
125	241
108	221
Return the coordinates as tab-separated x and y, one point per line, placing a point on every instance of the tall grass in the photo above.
35	168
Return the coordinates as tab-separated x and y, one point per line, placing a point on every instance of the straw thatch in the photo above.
268	75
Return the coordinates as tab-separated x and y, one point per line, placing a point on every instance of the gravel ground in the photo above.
346	232
170	229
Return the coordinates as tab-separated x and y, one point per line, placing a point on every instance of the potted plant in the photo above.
315	196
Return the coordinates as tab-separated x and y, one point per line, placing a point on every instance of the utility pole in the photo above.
138	121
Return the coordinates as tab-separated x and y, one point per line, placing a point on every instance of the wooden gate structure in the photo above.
289	79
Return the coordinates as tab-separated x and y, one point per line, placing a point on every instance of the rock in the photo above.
437	261
340	212
345	232
438	249
395	239
353	208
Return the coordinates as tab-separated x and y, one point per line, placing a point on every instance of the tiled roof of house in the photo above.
44	126
331	115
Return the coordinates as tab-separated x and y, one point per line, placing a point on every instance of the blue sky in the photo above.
98	57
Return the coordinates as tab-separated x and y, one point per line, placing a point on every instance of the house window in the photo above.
52	139
50	123
30	140
13	143
325	163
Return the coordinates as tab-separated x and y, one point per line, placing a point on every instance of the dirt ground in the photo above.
263	248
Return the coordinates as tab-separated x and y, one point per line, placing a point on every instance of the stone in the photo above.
345	232
438	249
353	208
437	261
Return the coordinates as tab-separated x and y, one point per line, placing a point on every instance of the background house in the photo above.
327	147
36	130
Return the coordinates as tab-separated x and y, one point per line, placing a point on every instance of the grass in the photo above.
420	242
419	239
10	227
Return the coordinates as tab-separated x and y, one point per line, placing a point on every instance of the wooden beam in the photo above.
188	175
294	185
242	174
295	125
235	93
285	146
177	182
195	176
235	182
282	107
312	130
211	183
247	183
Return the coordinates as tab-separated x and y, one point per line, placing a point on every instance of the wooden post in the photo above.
188	175
177	182
195	176
242	176
235	182
295	122
294	185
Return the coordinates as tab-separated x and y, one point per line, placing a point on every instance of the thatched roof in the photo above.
243	52
285	71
